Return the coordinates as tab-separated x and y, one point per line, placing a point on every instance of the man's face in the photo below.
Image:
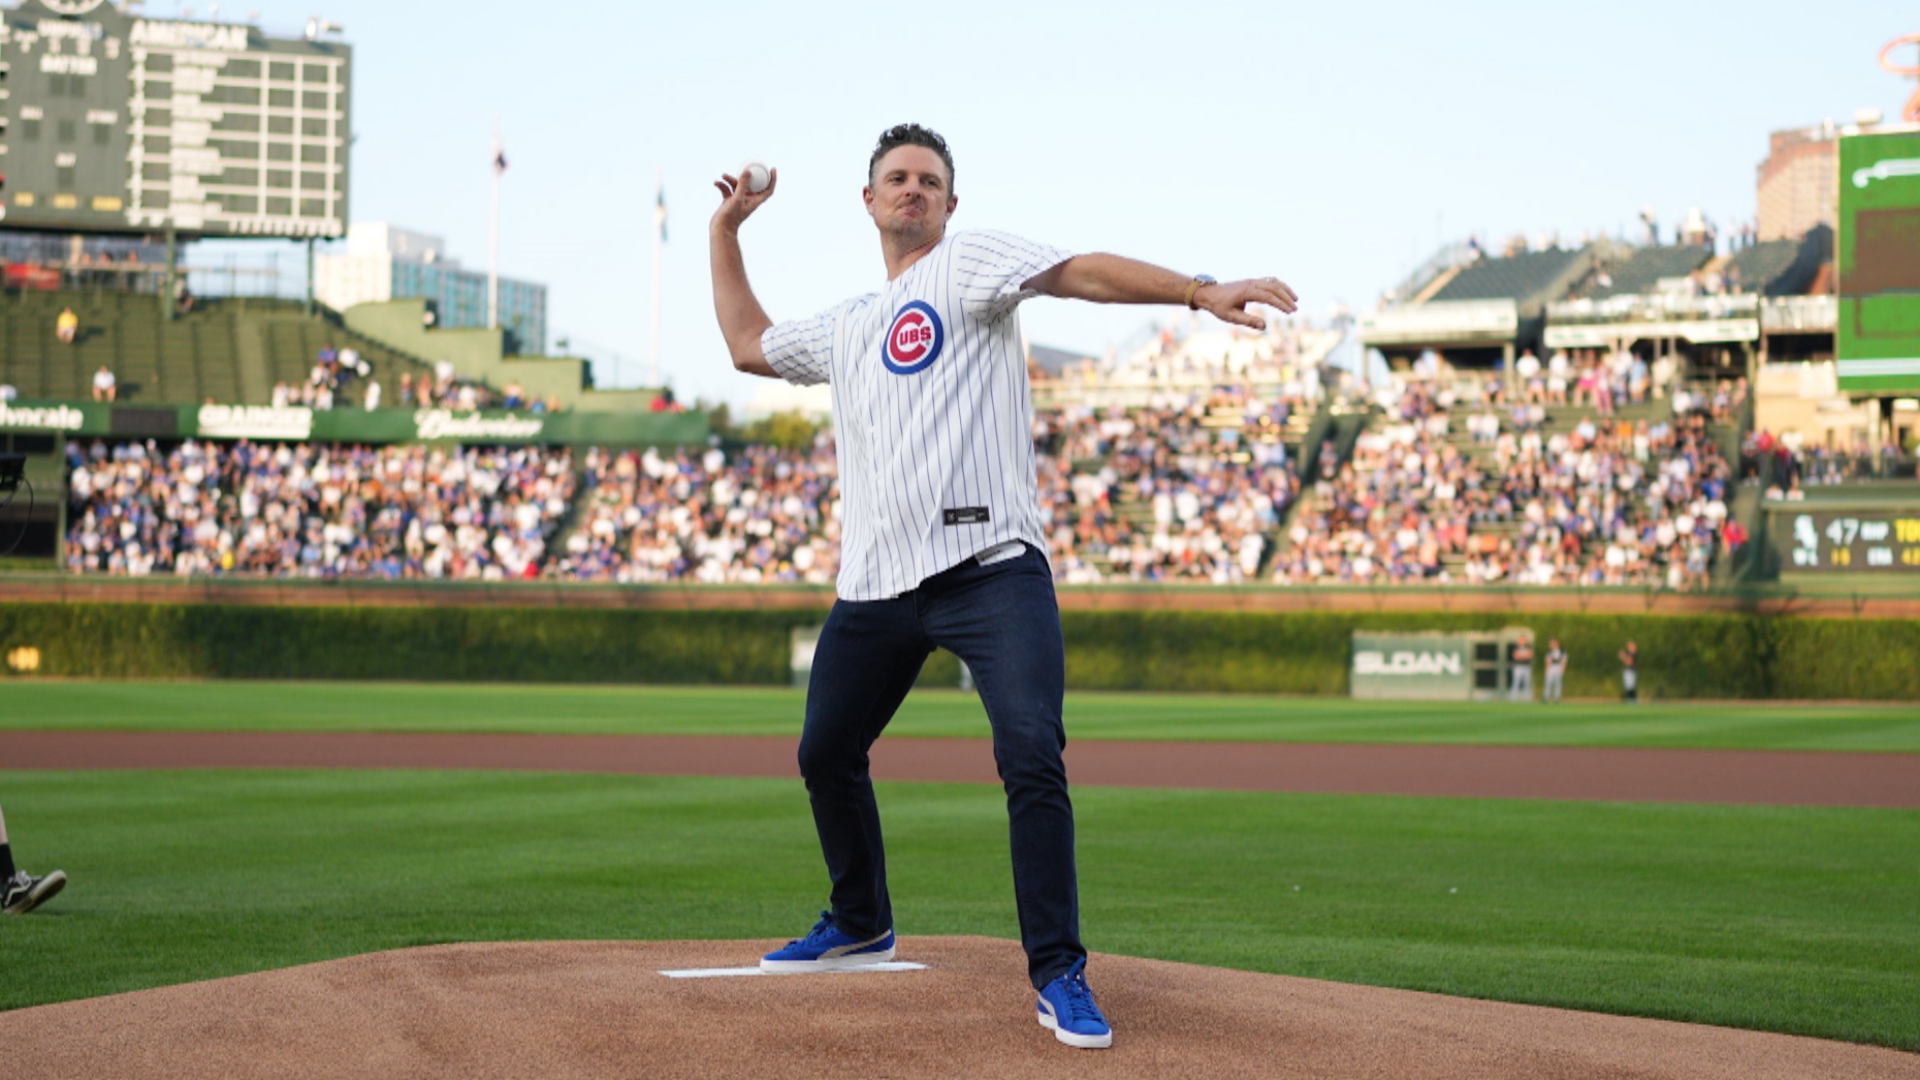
910	195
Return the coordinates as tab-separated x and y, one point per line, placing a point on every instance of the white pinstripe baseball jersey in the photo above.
932	412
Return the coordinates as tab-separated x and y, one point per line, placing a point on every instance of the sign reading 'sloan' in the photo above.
1421	666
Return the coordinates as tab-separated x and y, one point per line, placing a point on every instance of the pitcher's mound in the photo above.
554	1010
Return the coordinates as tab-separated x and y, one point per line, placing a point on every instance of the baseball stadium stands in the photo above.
225	350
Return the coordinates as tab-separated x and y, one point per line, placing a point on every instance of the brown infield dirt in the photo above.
1776	777
559	1010
602	1009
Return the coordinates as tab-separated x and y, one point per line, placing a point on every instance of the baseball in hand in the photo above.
754	175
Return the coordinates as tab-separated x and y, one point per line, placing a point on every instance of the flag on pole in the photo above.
499	157
660	212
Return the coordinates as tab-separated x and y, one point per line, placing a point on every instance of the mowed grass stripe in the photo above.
598	710
1795	920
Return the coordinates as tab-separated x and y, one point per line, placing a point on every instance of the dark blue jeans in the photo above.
1003	621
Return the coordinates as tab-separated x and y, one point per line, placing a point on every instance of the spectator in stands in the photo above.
1559	371
1637	379
66	326
282	397
105	386
1484	426
8	393
1533	389
373	394
514	397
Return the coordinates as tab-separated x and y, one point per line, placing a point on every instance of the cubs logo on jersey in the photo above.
914	340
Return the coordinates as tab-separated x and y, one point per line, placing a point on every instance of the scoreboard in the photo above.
1877	540
114	122
1878	263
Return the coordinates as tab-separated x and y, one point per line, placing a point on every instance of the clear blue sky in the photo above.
1334	145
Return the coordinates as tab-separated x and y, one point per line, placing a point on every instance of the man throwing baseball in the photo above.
942	542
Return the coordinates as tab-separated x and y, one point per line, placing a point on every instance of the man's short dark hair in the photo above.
911	135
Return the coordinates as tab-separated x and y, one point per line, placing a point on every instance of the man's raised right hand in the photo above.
737	203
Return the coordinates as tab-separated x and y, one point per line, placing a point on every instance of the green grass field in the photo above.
600	710
1788	919
1791	920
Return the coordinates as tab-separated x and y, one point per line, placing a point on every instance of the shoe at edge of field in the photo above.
1068	1010
826	948
25	892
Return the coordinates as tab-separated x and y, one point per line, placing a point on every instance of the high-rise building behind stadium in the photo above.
1797	188
384	262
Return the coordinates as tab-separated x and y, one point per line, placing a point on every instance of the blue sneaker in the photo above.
825	948
1067	1009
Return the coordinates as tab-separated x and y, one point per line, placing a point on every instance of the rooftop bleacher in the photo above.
1520	278
1767	268
1643	270
228	350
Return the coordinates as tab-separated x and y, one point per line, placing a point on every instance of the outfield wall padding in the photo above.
1709	656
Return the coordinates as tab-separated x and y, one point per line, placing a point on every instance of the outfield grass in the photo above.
1796	920
338	706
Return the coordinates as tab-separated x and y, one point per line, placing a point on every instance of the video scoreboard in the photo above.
1879	540
1878	263
114	122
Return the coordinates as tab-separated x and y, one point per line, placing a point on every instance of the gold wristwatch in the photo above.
1193	288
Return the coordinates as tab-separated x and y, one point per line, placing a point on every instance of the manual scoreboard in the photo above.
113	122
1877	540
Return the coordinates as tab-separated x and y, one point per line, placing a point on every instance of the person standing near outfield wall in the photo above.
1630	674
1556	672
1522	676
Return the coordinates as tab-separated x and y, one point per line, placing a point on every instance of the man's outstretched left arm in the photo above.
1114	279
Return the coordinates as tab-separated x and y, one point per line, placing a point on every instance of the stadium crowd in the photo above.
760	515
1627	503
314	510
1186	489
1605	502
1406	499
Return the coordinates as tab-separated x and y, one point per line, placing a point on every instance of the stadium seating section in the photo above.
1205	455
304	510
1643	271
1518	276
759	515
224	350
1767	267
